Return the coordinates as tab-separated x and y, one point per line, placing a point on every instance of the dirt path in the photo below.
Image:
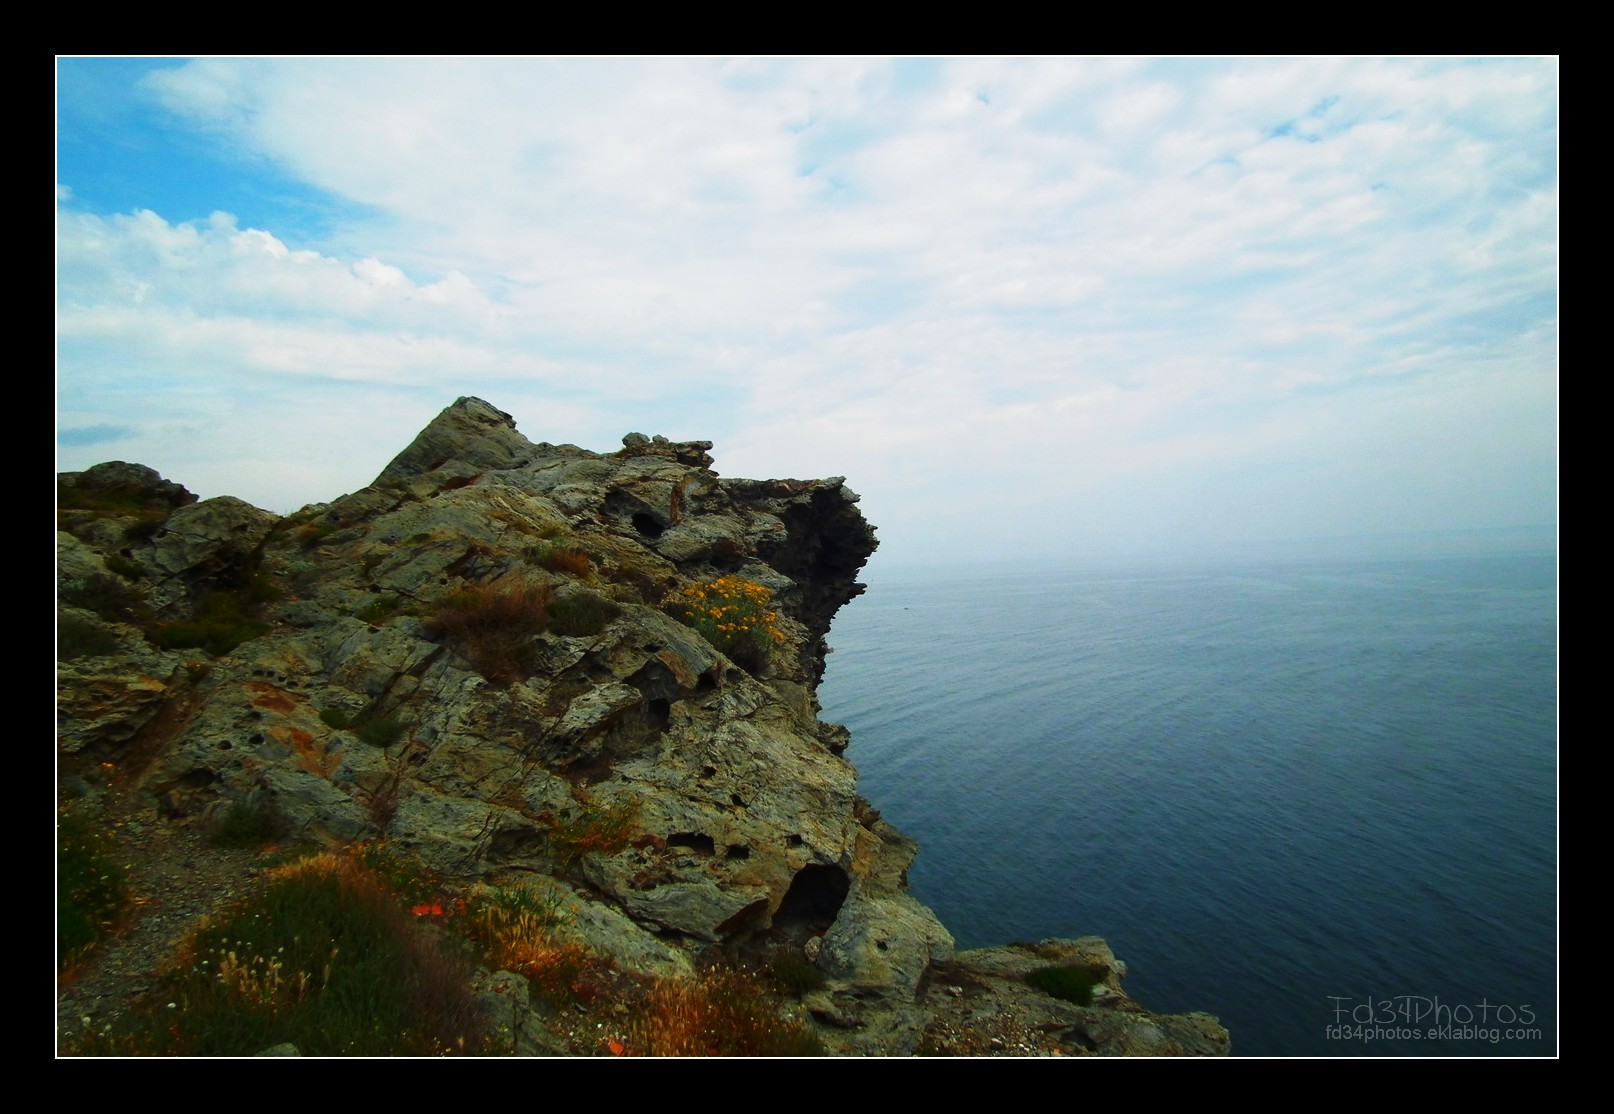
174	878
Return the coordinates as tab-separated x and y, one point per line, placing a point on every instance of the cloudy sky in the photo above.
1028	307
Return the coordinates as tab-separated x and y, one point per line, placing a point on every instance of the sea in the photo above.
1315	797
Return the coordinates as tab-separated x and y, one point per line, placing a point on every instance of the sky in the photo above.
1030	308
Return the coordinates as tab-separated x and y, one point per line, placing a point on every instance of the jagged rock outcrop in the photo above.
473	657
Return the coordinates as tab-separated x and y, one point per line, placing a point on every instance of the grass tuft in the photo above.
79	638
794	973
593	828
581	614
90	890
722	1012
493	625
514	926
107	596
380	729
254	822
558	556
1072	983
324	956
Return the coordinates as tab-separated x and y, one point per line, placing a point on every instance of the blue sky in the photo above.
1028	307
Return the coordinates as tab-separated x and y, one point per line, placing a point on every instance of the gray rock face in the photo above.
475	658
133	483
205	547
990	983
468	433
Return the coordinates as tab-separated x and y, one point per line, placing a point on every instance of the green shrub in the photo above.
217	636
380	729
79	638
325	956
107	596
226	618
124	567
794	973
248	823
735	615
1072	983
581	614
334	718
90	891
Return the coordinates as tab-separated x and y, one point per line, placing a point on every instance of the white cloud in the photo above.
962	275
216	269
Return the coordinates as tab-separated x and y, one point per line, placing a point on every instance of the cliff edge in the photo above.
591	674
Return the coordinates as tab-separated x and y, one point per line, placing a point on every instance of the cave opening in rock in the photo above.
693	841
813	901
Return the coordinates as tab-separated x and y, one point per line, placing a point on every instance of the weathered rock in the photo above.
975	992
468	433
516	1029
204	547
106	701
132	483
570	734
75	560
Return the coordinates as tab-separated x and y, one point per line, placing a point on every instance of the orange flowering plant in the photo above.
735	615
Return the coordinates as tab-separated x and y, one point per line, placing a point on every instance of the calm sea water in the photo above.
1315	799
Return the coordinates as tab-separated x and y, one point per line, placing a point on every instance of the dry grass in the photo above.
722	1012
557	556
515	928
493	624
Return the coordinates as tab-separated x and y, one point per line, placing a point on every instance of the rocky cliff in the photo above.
514	659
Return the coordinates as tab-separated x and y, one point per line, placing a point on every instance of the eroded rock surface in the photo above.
682	799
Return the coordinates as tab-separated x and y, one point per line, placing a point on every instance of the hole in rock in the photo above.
695	841
659	712
658	684
814	899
